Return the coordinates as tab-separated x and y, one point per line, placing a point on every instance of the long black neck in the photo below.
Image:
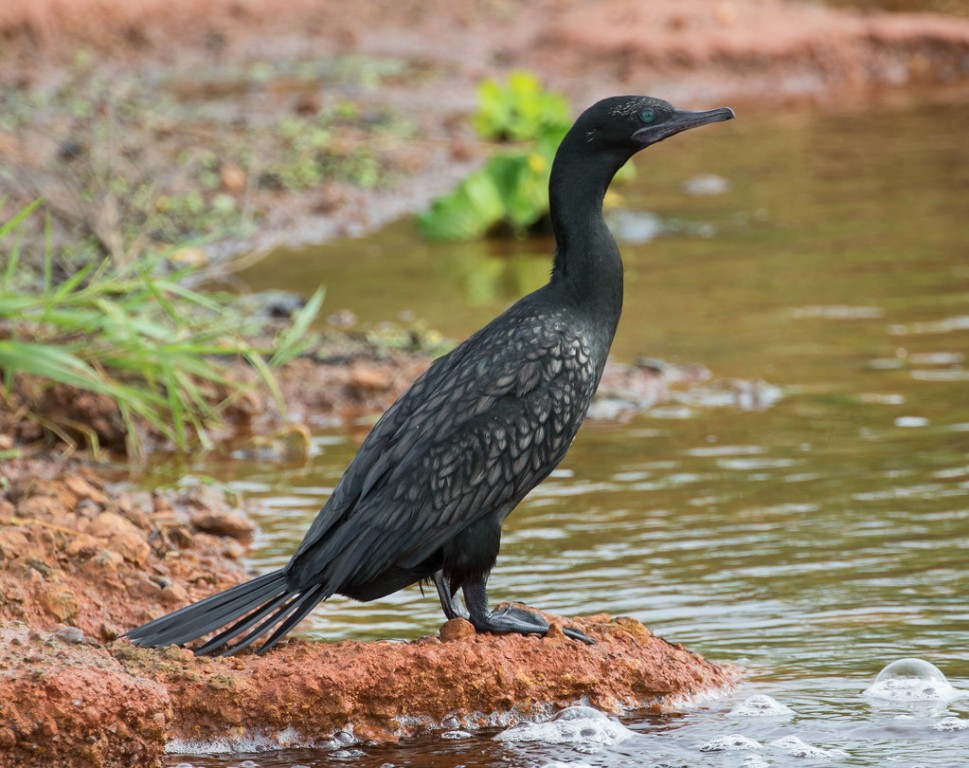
587	264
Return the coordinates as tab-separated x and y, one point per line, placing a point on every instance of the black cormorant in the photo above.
426	494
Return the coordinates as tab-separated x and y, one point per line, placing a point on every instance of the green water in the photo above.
812	542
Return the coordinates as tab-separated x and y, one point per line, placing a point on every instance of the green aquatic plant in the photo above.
159	350
509	194
519	110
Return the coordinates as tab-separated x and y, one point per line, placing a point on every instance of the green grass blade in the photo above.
288	346
14	221
266	375
50	362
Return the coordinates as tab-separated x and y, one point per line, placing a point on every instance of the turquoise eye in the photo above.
647	115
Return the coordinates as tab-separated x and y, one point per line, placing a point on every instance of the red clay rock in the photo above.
122	536
455	630
83	489
120	705
59	564
67	700
70	704
383	691
223	524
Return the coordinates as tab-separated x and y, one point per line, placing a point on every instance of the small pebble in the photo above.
70	635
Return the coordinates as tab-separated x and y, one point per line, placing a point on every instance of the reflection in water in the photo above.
811	542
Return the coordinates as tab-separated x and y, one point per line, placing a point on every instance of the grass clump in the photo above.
158	350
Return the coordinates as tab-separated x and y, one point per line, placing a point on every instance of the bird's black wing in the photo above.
473	435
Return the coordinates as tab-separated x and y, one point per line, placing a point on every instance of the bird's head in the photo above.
631	123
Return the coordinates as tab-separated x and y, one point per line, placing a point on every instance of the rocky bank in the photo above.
81	559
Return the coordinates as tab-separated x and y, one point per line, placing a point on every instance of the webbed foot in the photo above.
511	619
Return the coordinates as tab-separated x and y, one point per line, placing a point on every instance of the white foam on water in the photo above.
701	698
560	764
221	746
947	724
912	680
287	738
755	761
761	705
796	747
575	725
731	742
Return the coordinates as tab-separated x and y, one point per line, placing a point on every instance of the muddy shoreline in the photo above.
82	558
243	65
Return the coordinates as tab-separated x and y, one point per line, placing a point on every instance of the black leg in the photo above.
450	603
510	619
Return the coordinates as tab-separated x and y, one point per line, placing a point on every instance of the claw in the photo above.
577	634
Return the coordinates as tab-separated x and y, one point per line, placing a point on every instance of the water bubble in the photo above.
909	680
947	724
345	738
761	705
731	742
795	747
575	725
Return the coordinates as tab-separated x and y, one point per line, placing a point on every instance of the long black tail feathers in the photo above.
252	608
